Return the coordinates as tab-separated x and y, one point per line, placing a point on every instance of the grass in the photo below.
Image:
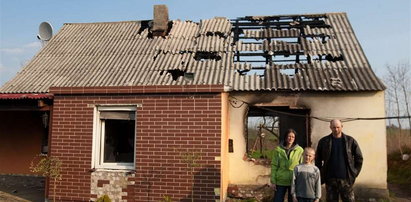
399	171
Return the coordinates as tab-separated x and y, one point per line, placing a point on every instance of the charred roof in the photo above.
313	52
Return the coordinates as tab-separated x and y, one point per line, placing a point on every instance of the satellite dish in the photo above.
45	31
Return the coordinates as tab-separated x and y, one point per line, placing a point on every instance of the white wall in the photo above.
369	134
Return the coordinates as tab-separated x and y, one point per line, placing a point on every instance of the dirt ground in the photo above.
21	188
28	188
400	193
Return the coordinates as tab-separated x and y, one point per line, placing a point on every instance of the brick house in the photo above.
126	105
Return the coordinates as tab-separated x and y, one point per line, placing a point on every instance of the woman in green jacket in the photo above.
286	156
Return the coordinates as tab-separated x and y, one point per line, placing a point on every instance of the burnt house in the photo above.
139	110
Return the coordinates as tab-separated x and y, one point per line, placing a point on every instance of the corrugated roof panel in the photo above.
319	31
240	46
175	45
241	66
125	54
212	44
271	33
184	29
215	25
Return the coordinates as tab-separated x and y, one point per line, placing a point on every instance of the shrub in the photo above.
104	198
48	167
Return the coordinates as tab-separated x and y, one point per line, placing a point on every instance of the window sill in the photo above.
259	161
127	171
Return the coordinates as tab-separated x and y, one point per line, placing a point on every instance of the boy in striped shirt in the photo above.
306	183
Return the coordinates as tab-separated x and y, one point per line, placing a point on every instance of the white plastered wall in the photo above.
371	135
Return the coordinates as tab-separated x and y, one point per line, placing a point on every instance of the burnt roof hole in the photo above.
175	73
289	72
286	58
259	71
201	56
220	34
170	26
243	72
323	38
330	58
146	24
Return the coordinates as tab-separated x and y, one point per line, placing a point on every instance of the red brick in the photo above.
165	122
100	183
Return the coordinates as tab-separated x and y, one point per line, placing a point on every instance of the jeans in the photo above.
280	193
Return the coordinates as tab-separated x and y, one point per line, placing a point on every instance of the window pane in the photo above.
117	115
119	141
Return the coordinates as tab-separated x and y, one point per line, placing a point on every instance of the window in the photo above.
114	137
262	135
265	127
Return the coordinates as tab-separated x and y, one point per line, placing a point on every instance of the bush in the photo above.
48	167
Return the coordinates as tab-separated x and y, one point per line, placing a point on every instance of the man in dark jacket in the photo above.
339	158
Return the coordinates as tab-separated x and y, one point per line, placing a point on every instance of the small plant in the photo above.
48	167
166	199
104	198
191	159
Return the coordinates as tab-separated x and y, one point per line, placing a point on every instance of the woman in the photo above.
286	156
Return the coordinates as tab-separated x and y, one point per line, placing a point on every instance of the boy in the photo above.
306	183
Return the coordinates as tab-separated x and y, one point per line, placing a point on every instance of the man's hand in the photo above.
317	200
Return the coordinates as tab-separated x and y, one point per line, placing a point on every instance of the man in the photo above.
339	159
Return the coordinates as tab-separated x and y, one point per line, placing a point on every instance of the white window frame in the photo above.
98	137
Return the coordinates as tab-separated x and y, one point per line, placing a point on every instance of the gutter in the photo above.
20	96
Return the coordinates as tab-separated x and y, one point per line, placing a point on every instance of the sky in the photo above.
383	27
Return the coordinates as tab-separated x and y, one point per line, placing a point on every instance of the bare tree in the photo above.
397	94
405	84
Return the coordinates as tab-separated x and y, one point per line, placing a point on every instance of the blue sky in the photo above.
383	27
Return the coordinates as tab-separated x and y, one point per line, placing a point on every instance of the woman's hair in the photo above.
286	135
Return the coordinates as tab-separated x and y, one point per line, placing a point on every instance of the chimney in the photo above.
160	22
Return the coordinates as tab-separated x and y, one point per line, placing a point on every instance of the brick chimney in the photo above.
160	21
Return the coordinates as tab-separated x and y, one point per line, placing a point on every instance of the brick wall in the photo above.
171	123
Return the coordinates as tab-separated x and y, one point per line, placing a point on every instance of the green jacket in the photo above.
282	167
